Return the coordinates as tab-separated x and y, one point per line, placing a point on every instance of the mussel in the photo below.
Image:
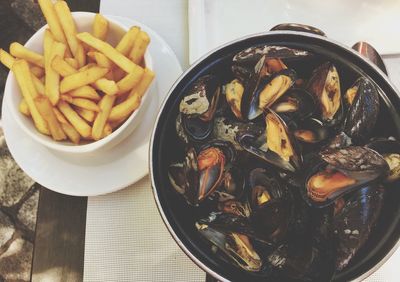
198	107
201	173
342	171
324	84
277	146
270	203
355	220
364	109
236	247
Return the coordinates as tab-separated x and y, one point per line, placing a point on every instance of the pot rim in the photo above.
197	261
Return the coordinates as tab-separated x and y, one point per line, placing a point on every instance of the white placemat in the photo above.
126	239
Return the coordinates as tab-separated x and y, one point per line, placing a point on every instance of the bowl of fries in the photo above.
80	83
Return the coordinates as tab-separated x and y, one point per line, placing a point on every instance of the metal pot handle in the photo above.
298	27
369	52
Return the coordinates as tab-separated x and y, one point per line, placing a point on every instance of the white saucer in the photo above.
105	171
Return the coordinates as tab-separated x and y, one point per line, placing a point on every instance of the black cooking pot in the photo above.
165	147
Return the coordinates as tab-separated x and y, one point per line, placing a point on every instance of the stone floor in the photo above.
19	196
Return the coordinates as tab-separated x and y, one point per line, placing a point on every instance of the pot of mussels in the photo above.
276	157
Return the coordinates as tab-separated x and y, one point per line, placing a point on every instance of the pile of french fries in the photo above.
81	87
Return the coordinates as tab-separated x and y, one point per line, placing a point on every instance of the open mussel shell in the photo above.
232	186
324	84
271	203
236	247
343	171
297	104
362	115
311	131
355	220
390	151
197	108
268	92
276	146
195	129
202	98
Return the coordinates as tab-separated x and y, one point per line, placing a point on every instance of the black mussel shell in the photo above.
271	203
251	87
297	104
324	84
191	173
343	171
390	151
232	185
260	146
363	113
354	221
236	247
196	129
269	91
228	129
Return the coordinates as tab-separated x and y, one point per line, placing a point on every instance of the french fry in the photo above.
124	109
109	51
100	27
62	67
77	122
23	108
116	124
86	91
86	114
87	66
105	104
144	83
100	59
69	27
46	111
107	86
139	47
23	75
52	82
125	44
52	20
68	129
72	62
66	98
38	85
47	47
107	130
6	59
129	81
82	78
21	52
85	104
37	71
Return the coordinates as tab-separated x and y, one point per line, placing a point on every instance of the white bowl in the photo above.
12	95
